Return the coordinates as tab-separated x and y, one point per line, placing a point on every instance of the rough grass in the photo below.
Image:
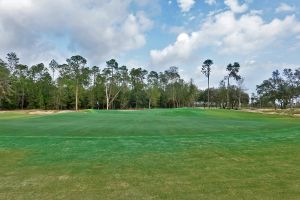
293	112
157	154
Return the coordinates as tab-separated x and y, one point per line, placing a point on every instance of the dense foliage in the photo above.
74	85
279	91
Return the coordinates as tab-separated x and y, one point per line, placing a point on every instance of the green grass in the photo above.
157	154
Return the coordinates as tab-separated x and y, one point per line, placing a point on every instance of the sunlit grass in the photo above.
150	154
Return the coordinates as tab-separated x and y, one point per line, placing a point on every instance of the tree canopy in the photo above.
76	85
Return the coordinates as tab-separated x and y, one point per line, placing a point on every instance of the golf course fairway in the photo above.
149	154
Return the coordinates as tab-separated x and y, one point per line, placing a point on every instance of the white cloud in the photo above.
191	18
186	5
144	22
16	4
235	6
256	12
283	7
210	2
250	62
181	50
96	29
228	34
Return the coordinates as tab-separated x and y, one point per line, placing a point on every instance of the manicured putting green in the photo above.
150	154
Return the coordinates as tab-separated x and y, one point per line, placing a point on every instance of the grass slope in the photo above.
157	154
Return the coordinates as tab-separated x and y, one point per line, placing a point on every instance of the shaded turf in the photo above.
157	154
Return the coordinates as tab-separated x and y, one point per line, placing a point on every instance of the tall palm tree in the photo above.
206	69
233	71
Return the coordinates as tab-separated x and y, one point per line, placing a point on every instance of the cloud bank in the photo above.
228	33
39	29
283	7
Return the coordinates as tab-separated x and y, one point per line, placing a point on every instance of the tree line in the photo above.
279	91
74	85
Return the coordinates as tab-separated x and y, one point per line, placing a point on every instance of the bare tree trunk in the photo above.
240	105
22	99
59	99
56	103
173	95
107	98
149	105
208	92
260	103
93	92
76	98
113	99
136	101
227	92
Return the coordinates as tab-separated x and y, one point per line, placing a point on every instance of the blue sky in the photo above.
262	35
